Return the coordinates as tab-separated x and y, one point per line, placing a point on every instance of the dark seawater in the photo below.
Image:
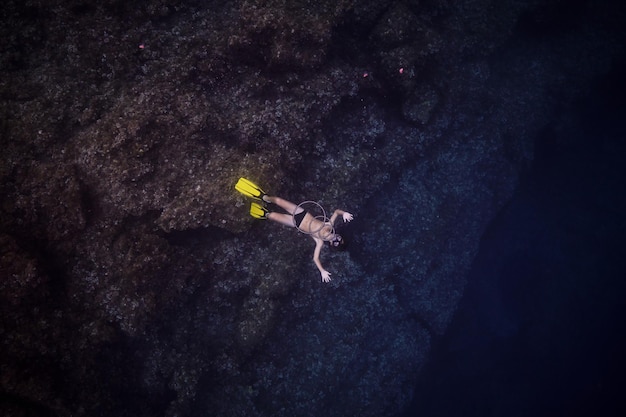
541	328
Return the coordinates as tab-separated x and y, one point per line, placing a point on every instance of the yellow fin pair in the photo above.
250	189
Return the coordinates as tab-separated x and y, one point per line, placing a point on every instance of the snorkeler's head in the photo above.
337	242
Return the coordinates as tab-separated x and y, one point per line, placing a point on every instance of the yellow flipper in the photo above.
249	189
258	211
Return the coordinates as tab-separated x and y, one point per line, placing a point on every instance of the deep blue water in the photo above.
541	328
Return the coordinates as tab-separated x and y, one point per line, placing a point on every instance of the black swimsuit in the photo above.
297	218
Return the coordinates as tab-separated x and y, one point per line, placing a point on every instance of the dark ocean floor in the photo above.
541	328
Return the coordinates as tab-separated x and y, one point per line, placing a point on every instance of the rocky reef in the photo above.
133	281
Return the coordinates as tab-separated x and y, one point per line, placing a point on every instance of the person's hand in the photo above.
347	217
325	276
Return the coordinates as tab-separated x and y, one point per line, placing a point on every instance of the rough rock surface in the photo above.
134	282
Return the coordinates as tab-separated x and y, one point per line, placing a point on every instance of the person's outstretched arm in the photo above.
347	217
316	258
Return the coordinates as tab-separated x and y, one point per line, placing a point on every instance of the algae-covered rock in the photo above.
134	282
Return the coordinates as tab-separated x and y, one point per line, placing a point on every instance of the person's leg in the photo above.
288	206
286	219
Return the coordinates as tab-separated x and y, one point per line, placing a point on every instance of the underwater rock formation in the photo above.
134	281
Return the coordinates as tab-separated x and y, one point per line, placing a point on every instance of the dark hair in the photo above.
338	243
